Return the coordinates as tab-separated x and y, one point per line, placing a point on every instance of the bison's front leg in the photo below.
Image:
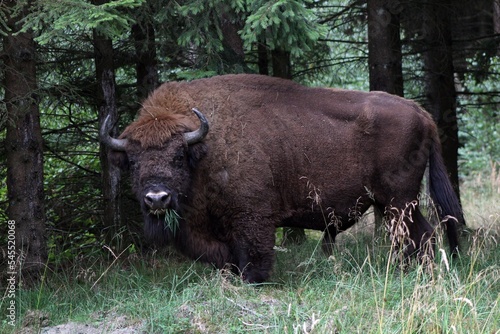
253	246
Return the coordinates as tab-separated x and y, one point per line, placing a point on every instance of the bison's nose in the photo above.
157	200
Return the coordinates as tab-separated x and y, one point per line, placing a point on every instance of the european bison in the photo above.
276	154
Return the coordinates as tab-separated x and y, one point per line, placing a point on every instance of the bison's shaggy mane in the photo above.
161	116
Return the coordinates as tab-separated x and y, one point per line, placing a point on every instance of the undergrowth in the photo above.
357	289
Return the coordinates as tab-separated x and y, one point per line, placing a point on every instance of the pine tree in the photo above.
24	147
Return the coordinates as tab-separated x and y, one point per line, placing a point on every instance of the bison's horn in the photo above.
106	139
198	134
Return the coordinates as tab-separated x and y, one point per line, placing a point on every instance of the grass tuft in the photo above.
172	220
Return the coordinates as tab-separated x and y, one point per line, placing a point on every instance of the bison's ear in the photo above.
196	152
119	159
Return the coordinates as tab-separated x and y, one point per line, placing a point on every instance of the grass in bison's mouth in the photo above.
171	218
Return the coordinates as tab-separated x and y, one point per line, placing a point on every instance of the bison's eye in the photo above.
133	164
178	160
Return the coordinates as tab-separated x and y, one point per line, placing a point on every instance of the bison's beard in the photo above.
160	227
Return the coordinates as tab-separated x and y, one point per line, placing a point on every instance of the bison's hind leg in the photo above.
337	224
410	232
328	242
426	235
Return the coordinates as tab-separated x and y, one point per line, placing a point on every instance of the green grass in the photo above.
356	290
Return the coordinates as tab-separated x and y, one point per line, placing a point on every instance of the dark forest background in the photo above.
68	63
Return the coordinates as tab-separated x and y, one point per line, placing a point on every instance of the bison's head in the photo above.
160	173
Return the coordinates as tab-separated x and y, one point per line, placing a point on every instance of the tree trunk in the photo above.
263	60
496	16
282	67
24	149
384	47
107	106
145	52
384	57
440	83
233	54
496	20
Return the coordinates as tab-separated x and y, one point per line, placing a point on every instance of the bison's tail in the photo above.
444	195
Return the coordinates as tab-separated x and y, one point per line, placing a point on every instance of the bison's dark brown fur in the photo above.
277	154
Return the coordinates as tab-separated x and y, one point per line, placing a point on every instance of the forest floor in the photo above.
112	323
